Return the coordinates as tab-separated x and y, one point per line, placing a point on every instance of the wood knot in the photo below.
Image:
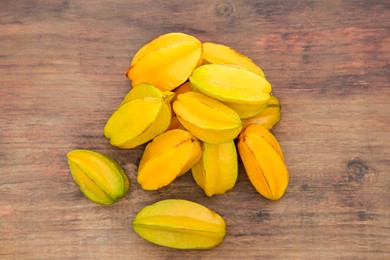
357	168
363	216
262	216
223	9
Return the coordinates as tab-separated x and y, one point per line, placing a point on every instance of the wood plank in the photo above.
62	73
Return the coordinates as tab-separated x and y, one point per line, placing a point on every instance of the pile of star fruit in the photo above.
194	105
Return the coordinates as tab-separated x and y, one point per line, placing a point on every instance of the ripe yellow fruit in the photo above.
186	87
167	61
242	90
269	117
222	54
144	113
191	100
180	224
168	156
263	161
216	172
99	177
206	118
174	124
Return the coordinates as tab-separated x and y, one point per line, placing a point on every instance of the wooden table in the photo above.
62	73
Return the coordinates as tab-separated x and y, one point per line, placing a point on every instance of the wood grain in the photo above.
62	73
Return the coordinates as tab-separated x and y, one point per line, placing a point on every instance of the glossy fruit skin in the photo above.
221	54
180	224
144	113
269	117
206	118
186	87
244	91
263	161
167	61
99	177
168	156
216	172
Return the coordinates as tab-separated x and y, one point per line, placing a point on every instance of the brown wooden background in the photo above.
62	73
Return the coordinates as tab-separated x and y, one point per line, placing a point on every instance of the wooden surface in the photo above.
62	73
